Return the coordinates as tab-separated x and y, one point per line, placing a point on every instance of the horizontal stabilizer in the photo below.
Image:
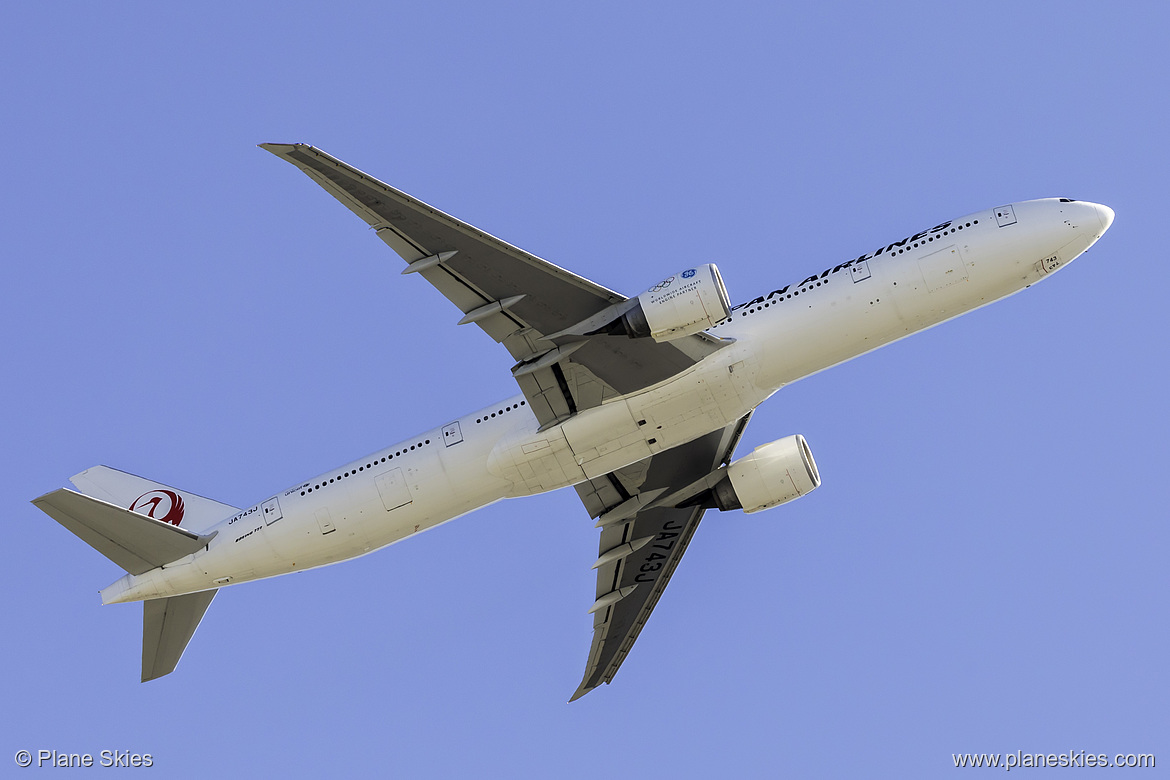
135	542
167	627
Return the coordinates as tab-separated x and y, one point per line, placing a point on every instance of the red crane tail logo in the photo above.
163	505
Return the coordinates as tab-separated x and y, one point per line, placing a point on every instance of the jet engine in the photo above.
771	475
686	303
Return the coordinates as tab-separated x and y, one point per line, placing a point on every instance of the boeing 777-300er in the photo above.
637	403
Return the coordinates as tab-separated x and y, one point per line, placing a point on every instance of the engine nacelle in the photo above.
771	475
686	303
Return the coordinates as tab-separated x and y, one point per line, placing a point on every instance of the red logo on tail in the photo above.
164	505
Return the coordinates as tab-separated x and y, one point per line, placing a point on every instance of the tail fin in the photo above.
152	499
167	627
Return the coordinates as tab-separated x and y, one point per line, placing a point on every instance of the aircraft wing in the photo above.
639	554
518	299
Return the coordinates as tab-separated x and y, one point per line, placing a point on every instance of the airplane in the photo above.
637	403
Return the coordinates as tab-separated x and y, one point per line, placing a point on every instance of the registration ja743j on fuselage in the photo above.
638	403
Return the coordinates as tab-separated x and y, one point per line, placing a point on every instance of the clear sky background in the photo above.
983	570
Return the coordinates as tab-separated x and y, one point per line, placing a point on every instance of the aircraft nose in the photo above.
1105	214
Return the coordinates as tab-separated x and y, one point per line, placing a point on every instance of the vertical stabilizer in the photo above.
153	499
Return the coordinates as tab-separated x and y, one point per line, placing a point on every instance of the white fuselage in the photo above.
498	452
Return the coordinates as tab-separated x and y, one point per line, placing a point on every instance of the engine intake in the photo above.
771	475
680	305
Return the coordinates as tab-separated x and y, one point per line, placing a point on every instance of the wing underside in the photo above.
520	300
638	555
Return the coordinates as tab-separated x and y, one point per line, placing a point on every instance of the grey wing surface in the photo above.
520	300
638	554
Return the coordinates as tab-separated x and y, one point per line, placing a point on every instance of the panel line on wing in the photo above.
619	487
563	384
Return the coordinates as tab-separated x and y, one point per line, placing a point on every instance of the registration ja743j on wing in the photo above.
637	403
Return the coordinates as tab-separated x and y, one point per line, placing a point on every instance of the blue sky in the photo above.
983	570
